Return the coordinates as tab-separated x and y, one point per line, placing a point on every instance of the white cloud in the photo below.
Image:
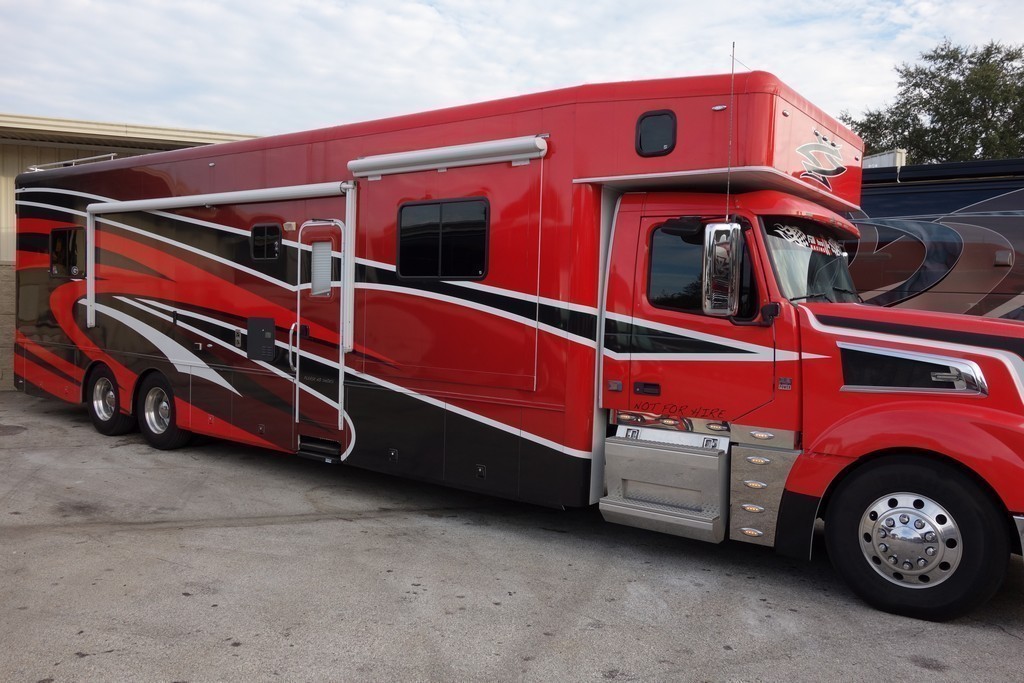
266	66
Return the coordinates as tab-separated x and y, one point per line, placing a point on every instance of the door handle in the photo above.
647	388
291	335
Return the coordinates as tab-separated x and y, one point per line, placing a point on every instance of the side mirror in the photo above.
722	248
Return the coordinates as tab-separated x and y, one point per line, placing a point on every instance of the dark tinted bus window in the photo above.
444	240
419	247
463	239
674	280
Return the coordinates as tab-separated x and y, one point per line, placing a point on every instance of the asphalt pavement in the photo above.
119	562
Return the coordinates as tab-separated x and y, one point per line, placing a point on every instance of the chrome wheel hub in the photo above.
104	402
910	540
157	410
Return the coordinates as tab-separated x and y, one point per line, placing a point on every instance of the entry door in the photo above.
316	336
685	365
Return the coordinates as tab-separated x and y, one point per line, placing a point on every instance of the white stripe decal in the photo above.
474	416
400	389
183	360
521	296
745	352
165	240
529	322
213	321
511	293
333	404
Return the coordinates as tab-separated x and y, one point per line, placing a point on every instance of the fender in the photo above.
986	441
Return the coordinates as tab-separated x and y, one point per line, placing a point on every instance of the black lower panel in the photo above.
480	458
552	478
795	527
395	433
403	435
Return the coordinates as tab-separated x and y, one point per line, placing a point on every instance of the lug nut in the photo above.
907	565
882	533
918	524
883	547
929	551
904	519
893	559
921	562
890	522
930	537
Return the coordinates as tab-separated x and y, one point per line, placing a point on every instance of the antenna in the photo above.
732	99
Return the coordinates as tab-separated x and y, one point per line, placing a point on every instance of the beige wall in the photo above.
15	158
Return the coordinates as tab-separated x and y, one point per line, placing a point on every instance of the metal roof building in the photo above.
34	141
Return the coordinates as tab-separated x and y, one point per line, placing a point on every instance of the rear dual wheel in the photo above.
157	414
103	399
917	537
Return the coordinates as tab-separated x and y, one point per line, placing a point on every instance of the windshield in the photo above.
808	260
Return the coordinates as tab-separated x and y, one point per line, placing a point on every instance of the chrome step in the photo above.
670	488
706	524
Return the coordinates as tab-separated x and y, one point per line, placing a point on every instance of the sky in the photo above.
275	66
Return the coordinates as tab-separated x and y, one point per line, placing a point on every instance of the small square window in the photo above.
265	242
656	133
67	253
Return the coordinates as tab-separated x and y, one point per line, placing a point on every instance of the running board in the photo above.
666	487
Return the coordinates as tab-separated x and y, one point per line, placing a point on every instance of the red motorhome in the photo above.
630	294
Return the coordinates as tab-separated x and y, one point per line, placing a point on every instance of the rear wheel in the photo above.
104	403
157	414
917	537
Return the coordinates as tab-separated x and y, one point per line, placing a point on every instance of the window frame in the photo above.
748	272
440	202
650	275
70	230
252	242
675	133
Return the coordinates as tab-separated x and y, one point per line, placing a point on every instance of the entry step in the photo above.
706	524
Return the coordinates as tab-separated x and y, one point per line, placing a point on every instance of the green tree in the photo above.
958	103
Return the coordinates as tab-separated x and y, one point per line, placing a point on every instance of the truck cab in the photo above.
750	393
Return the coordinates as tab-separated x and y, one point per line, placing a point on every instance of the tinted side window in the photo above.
463	239
676	267
656	133
67	252
446	240
265	242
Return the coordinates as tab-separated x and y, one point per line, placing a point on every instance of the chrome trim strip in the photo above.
966	376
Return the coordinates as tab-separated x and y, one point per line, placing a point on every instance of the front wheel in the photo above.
917	537
157	414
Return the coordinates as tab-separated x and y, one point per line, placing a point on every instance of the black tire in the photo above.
157	416
103	400
926	515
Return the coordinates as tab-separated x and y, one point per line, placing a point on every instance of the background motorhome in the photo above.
943	237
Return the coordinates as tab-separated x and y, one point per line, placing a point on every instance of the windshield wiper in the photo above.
848	291
823	295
